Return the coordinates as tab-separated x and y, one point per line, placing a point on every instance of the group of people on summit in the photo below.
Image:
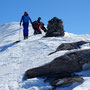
37	25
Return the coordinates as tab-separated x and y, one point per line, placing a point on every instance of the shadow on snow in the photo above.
5	47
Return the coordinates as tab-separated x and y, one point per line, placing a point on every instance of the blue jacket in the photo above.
25	19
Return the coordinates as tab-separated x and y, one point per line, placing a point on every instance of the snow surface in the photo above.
16	58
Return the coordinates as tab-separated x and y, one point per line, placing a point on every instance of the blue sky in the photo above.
74	13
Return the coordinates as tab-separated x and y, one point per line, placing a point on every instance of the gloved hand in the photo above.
20	24
31	22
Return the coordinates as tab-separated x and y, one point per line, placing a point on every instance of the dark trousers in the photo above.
25	30
37	31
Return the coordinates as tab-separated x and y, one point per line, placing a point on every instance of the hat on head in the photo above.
39	17
25	13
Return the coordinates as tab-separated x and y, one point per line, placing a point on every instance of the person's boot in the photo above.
24	36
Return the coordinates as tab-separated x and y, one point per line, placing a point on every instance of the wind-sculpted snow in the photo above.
15	59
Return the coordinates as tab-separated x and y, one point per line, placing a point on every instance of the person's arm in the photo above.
30	19
21	20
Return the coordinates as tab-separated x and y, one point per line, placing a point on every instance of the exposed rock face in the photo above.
55	28
69	46
66	64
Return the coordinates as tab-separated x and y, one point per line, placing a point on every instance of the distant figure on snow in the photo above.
25	19
36	26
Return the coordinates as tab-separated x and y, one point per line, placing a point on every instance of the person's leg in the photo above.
27	36
35	31
39	32
45	30
25	31
24	36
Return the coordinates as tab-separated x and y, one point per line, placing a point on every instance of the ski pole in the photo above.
19	34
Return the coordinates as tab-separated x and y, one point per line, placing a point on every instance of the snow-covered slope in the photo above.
16	58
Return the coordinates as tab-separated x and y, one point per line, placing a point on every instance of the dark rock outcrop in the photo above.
67	80
61	70
69	46
55	28
61	66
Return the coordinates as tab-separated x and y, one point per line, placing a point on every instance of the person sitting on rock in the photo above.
36	25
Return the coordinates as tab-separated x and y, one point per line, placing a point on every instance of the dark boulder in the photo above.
61	66
69	46
55	28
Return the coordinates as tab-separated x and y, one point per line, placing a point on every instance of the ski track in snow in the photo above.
16	58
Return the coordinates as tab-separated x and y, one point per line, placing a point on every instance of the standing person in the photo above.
36	26
25	19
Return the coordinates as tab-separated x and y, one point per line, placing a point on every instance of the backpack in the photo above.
35	22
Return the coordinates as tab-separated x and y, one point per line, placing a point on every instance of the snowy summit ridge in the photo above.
16	58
